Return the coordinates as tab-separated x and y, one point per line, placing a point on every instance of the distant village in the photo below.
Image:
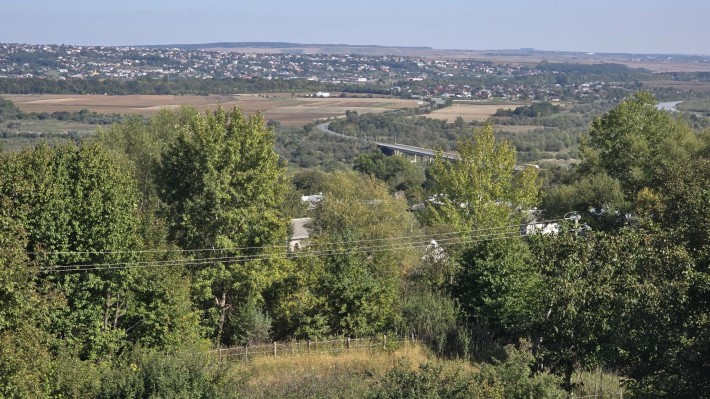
396	75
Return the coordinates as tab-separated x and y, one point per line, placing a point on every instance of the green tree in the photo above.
8	110
480	197
683	286
143	142
625	152
361	286
161	293
632	299
480	189
493	285
396	171
459	122
78	207
634	140
599	197
24	358
351	271
223	187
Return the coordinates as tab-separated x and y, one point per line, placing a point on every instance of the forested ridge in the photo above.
125	259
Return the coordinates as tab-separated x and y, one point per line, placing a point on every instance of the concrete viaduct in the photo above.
400	149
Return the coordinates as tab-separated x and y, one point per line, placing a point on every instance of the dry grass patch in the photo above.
470	112
140	104
679	85
516	128
289	369
351	374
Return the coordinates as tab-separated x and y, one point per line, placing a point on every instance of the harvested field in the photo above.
287	109
516	128
479	112
680	85
140	104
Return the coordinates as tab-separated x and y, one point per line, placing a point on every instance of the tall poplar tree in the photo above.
223	187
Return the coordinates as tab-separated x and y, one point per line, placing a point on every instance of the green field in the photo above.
17	134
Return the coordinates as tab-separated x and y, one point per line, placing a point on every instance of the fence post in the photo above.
219	356
348	343
309	345
601	383
384	341
274	348
412	337
246	352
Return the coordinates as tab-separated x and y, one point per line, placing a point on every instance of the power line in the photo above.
198	263
263	247
191	262
352	250
321	252
343	247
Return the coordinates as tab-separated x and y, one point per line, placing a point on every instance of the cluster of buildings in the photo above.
66	61
399	75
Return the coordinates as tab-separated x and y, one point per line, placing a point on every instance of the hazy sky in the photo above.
636	26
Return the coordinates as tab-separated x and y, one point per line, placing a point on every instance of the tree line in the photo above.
536	109
178	86
9	111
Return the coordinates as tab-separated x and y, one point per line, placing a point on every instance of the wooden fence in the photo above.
289	348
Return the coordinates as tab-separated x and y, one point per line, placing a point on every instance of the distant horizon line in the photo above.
286	45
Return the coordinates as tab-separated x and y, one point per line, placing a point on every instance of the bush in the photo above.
432	318
516	377
146	374
431	381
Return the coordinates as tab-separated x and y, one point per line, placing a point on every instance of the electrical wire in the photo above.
166	250
247	257
257	257
322	251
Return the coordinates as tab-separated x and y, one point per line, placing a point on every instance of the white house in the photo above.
299	234
540	228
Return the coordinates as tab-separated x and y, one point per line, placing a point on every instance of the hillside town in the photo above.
65	61
395	75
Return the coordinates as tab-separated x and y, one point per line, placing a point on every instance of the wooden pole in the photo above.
601	378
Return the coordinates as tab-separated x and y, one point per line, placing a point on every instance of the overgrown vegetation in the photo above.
124	260
534	110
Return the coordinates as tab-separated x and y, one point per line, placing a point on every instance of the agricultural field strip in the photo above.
288	110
